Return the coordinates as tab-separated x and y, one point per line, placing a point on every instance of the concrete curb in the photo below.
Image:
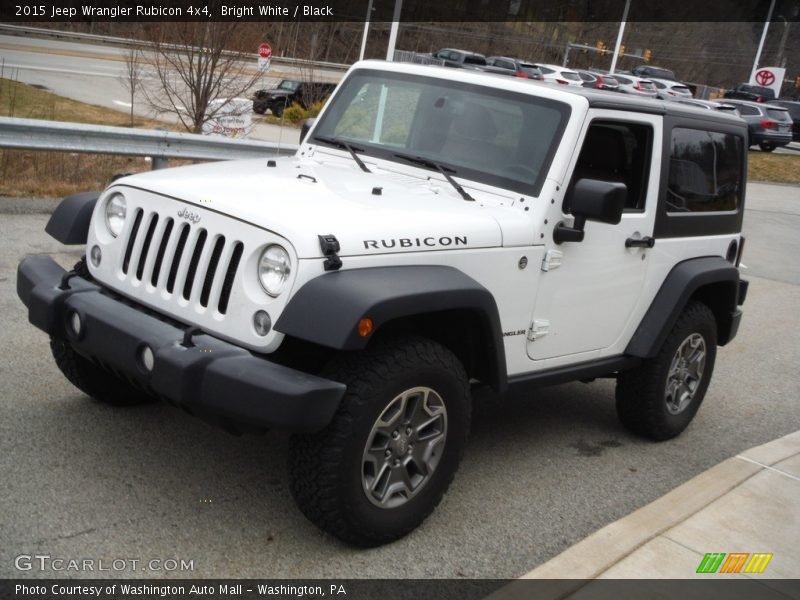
603	549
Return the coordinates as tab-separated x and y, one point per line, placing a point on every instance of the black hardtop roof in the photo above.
617	101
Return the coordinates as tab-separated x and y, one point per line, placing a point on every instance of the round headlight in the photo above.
115	214
274	268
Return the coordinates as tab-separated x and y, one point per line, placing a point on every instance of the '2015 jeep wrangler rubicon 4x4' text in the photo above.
437	229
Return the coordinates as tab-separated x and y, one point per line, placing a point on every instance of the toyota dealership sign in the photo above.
769	77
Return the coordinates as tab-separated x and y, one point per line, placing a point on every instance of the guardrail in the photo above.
34	134
129	43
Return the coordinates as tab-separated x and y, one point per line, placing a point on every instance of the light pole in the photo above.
366	31
398	5
619	35
763	37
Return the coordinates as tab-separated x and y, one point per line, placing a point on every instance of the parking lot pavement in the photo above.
543	470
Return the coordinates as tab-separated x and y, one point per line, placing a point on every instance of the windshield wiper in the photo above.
445	171
345	146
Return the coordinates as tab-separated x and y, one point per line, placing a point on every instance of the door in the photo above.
589	290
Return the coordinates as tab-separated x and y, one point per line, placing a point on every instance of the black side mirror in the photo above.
592	200
307	125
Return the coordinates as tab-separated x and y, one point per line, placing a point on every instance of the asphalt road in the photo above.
542	471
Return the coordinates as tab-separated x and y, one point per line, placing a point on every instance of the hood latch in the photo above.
330	246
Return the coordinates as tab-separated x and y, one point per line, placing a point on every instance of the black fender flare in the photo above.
683	282
327	309
69	223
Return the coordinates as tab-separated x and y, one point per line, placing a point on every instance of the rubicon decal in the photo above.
736	562
430	242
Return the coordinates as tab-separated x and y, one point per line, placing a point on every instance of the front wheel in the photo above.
659	398
93	380
392	449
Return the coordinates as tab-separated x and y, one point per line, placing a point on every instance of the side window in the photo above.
619	152
705	171
747	110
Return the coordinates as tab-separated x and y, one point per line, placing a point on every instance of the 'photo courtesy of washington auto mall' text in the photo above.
391	299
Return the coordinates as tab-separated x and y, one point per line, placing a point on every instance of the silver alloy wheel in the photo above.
685	373
404	447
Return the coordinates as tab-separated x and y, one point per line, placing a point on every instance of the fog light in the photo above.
75	323
146	358
96	255
262	323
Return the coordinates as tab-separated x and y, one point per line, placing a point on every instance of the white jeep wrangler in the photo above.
437	229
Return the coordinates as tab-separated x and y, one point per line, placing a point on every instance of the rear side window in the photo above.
779	115
624	80
571	76
747	110
705	171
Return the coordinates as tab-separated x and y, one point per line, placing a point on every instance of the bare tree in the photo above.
132	78
193	68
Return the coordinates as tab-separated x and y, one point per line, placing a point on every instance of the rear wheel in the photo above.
766	146
392	449
659	399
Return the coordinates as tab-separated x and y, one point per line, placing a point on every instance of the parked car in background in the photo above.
768	125
556	74
793	106
515	67
288	92
599	81
753	93
710	105
453	57
667	89
649	72
637	86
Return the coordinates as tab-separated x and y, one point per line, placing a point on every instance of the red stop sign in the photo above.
265	51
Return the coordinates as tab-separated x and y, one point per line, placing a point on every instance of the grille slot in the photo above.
212	269
146	246
162	248
198	249
230	274
137	220
176	259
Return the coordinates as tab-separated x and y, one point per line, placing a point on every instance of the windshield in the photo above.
286	84
497	137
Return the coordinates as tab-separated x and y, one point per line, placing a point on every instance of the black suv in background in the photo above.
288	92
752	93
647	72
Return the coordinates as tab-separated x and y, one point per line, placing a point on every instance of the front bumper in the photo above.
213	379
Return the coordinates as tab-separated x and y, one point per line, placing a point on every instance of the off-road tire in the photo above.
642	404
326	468
277	109
92	380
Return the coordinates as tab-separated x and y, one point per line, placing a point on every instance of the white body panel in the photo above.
592	303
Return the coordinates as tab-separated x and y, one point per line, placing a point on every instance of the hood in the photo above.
369	213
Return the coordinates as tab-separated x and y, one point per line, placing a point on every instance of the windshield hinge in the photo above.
539	329
330	246
552	260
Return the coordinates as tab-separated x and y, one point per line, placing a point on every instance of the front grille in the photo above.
181	259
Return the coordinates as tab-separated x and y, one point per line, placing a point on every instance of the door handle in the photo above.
645	242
